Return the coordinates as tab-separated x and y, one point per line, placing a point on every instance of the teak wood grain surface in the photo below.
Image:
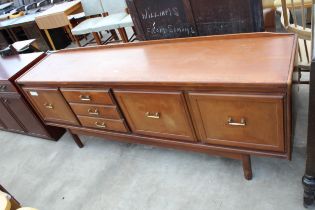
234	59
225	95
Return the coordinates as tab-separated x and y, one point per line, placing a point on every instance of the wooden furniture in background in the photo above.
185	18
202	94
16	115
309	176
57	17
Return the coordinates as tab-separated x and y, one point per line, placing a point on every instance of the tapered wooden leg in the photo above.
76	139
97	38
247	167
114	34
123	34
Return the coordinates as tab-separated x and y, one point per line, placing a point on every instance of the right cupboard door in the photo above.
246	121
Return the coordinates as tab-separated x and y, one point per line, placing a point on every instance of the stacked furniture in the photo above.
200	94
16	115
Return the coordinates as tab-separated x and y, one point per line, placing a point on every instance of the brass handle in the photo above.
232	123
155	115
85	98
91	112
102	125
48	106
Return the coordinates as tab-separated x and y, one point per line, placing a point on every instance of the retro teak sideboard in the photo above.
226	95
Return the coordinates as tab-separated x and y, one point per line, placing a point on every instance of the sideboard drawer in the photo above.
51	105
88	96
103	111
104	124
248	121
160	114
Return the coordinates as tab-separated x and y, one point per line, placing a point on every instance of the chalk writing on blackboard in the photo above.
171	29
150	14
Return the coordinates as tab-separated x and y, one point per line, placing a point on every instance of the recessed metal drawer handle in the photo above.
48	106
155	115
100	125
232	123
93	112
85	98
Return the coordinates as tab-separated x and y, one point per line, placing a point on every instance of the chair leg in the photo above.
97	38
114	34
77	41
123	34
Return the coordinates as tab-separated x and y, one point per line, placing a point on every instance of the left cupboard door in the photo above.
51	105
7	121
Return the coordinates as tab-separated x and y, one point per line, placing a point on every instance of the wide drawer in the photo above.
103	111
160	114
88	96
103	124
248	121
51	105
7	87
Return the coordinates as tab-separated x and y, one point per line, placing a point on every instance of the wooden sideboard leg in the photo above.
309	190
76	139
247	167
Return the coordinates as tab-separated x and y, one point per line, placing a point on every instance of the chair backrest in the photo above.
294	18
114	6
92	7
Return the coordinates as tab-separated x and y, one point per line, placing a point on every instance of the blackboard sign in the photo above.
166	19
226	16
161	19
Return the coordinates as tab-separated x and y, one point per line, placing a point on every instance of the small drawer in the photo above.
109	112
103	124
102	97
7	87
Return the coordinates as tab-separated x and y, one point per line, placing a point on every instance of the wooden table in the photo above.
57	16
223	95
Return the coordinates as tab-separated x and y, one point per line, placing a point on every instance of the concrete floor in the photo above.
119	176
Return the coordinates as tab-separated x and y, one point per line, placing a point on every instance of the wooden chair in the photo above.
294	19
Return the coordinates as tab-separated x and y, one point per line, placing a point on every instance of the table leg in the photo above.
49	39
247	167
309	190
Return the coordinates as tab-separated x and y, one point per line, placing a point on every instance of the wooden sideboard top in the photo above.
241	59
12	65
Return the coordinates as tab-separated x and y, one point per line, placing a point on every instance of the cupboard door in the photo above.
7	119
51	105
248	121
160	114
25	116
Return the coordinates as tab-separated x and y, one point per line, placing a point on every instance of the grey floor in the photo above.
112	175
